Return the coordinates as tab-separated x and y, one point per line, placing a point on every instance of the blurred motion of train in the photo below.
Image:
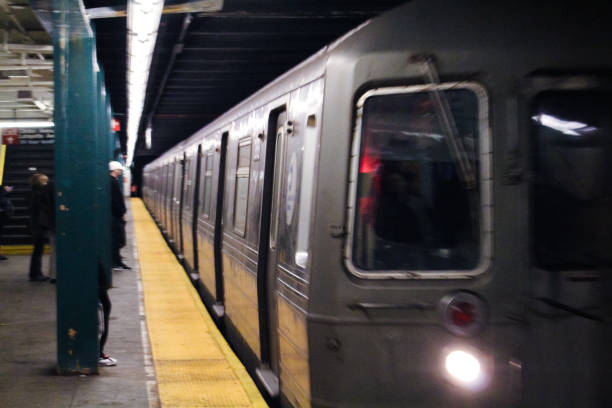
418	215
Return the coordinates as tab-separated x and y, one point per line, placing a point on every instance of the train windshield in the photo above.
572	201
414	209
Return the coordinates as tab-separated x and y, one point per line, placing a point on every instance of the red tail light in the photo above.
463	313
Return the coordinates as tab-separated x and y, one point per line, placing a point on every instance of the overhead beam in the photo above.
24	82
299	15
26	88
187	7
29	48
9	11
25	62
23	67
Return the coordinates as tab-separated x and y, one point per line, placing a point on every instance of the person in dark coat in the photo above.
39	225
49	209
118	211
6	211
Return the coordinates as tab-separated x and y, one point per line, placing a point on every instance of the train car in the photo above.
418	215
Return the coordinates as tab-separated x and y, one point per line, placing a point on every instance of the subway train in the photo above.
418	215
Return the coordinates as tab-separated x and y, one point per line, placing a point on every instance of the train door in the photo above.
571	211
188	211
220	156
167	199
195	194
178	203
275	164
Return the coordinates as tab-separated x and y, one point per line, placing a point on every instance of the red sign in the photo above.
115	125
10	136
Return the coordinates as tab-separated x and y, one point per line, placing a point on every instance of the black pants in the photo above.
117	239
3	220
36	259
106	308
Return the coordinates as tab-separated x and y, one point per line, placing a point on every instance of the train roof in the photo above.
464	35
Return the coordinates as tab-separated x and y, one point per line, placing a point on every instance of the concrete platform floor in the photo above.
28	348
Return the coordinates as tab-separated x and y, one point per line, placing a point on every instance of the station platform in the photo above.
169	351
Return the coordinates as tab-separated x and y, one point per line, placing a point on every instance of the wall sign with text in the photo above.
28	136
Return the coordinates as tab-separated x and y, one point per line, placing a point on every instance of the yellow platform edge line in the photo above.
19	249
140	214
2	158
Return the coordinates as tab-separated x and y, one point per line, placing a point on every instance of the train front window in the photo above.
418	191
572	190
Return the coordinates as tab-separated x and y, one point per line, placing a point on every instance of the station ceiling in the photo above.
26	64
206	62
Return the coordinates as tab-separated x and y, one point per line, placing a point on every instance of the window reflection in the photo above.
413	210
573	189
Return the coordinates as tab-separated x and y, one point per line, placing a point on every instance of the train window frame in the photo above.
485	180
241	173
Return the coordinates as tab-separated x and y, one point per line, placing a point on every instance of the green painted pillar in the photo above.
103	221
81	190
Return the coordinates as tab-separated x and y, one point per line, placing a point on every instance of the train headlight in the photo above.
463	366
466	368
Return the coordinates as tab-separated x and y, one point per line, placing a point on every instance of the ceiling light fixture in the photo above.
142	22
25	124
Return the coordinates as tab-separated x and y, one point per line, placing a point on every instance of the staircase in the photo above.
21	162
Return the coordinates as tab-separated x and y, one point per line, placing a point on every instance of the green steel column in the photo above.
103	221
77	164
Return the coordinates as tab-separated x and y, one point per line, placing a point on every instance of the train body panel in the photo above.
386	209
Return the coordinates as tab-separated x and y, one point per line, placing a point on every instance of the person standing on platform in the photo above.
118	211
39	225
49	208
6	211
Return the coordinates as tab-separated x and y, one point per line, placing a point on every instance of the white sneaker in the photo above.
107	361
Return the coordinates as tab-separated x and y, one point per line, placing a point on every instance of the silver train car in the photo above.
418	215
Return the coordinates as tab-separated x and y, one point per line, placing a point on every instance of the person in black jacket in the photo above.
6	211
117	215
49	209
39	225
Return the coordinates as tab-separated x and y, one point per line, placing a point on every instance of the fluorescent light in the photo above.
148	137
25	124
142	22
566	127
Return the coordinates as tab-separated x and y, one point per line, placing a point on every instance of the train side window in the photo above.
309	147
572	187
177	181
169	190
187	193
206	171
208	181
242	186
420	183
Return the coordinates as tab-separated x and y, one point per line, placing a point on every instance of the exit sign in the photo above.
10	136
